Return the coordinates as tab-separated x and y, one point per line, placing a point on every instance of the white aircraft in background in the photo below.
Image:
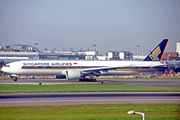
78	69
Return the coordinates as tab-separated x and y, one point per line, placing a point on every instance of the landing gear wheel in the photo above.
81	79
15	78
94	80
88	80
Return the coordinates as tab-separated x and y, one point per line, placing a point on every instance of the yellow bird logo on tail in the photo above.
155	53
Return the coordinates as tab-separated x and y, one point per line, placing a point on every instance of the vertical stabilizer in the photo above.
157	53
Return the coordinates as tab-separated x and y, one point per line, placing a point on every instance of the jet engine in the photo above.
73	74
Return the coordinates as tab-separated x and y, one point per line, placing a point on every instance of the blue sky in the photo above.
118	25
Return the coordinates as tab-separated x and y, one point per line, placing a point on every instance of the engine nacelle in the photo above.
73	74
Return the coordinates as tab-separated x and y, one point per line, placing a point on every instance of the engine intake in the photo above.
73	74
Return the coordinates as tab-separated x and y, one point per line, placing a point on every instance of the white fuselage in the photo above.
57	67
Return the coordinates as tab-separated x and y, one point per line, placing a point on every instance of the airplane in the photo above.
79	69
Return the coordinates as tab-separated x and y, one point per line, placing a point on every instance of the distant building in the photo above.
178	48
17	52
24	52
122	55
169	56
138	57
70	54
102	57
113	55
125	55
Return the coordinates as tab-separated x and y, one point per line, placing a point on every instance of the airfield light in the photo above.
134	112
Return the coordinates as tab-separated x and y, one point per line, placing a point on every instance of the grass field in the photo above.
13	88
163	78
92	112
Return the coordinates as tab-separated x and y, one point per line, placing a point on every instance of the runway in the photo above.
34	99
142	82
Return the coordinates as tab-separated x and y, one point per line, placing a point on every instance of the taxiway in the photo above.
34	99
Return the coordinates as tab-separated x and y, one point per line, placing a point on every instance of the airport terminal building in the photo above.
17	52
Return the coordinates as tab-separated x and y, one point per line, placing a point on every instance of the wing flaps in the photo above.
105	69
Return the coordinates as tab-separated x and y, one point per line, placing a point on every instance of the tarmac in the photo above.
74	98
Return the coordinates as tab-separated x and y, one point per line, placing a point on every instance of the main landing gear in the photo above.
88	80
15	78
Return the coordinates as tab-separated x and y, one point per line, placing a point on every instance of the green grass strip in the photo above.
13	88
163	78
92	112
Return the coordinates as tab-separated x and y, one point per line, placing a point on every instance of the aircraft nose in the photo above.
2	68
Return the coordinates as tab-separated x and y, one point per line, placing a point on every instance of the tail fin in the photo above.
157	53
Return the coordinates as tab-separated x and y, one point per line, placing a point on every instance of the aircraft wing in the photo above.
117	67
101	69
158	65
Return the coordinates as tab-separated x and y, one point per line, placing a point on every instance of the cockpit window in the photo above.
7	65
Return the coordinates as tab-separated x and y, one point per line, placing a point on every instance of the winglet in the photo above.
157	53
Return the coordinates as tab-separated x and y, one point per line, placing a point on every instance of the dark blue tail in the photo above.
157	53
